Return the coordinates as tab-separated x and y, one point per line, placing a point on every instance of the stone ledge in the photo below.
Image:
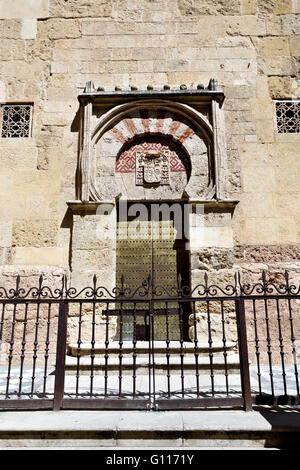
137	428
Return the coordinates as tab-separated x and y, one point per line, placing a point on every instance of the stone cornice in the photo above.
92	206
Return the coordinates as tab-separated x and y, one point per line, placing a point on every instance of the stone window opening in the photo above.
287	116
16	120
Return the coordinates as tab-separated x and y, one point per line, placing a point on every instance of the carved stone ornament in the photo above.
152	168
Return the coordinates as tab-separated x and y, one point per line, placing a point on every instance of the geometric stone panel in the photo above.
178	161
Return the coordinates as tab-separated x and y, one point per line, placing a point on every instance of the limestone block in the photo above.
79	54
172	65
245	26
262	109
104	278
240	91
59	28
87	329
272	47
94	235
45	256
65	67
5	234
55	119
277	66
11	49
29	29
273	25
268	231
256	204
295	45
265	130
80	8
210	236
39	49
27	71
127	15
202	28
55	94
234	52
18	90
163	15
10	29
30	275
28	9
290	25
208	7
99	28
12	156
257	179
31	182
221	277
92	259
248	7
243	128
287	179
34	233
212	258
277	7
253	154
156	26
283	154
282	87
216	327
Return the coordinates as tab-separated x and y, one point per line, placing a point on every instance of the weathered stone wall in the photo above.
49	49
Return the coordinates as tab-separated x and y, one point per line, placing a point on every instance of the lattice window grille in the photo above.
16	120
288	116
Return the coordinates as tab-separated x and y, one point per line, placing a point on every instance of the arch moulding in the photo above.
191	119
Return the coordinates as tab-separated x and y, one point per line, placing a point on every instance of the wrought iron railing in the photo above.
151	347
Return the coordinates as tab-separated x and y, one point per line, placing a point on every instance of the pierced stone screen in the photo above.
16	120
288	116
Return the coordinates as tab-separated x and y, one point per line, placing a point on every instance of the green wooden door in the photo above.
149	248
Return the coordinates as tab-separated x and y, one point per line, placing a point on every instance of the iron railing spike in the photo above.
18	280
286	275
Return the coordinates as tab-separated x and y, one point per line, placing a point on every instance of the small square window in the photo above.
16	120
288	116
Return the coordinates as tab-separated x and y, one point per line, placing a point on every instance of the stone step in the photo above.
160	349
161	364
187	430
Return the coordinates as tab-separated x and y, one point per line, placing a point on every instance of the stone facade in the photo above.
50	49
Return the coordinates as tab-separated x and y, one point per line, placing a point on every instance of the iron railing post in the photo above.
243	353
60	356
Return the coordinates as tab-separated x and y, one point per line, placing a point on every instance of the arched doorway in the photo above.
152	232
